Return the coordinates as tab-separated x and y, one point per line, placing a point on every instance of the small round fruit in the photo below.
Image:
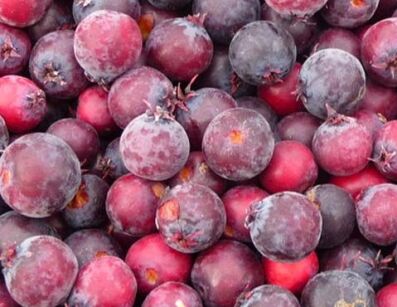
22	13
105	281
190	218
238	144
265	63
285	226
39	158
267	295
154	146
41	272
338	288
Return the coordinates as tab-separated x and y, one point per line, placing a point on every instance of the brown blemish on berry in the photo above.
80	199
151	276
101	254
5	177
170	210
236	137
146	25
158	189
185	174
358	3
229	231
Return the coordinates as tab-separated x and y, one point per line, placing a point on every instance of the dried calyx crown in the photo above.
335	118
180	96
197	19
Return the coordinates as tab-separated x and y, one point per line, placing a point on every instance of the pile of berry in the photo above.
190	153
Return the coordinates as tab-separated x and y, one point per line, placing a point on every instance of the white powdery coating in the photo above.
112	58
332	76
300	225
43	153
20	270
128	93
338	288
374	211
230	160
154	149
269	295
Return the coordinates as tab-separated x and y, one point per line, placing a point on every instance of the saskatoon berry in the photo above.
359	256
171	294
190	218
387	296
131	204
154	146
99	59
285	226
219	74
238	202
154	263
87	209
370	120
39	158
15	47
83	8
380	99
105	281
299	126
111	165
358	182
330	145
303	30
215	271
54	68
267	295
79	135
40	272
385	147
338	288
22	103
58	16
292	276
14	228
349	13
338	213
238	144
202	107
93	108
339	39
190	52
331	77
197	171
151	16
130	94
89	244
282	97
266	63
257	104
292	168
221	21
379	52
301	8
23	13
379	228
